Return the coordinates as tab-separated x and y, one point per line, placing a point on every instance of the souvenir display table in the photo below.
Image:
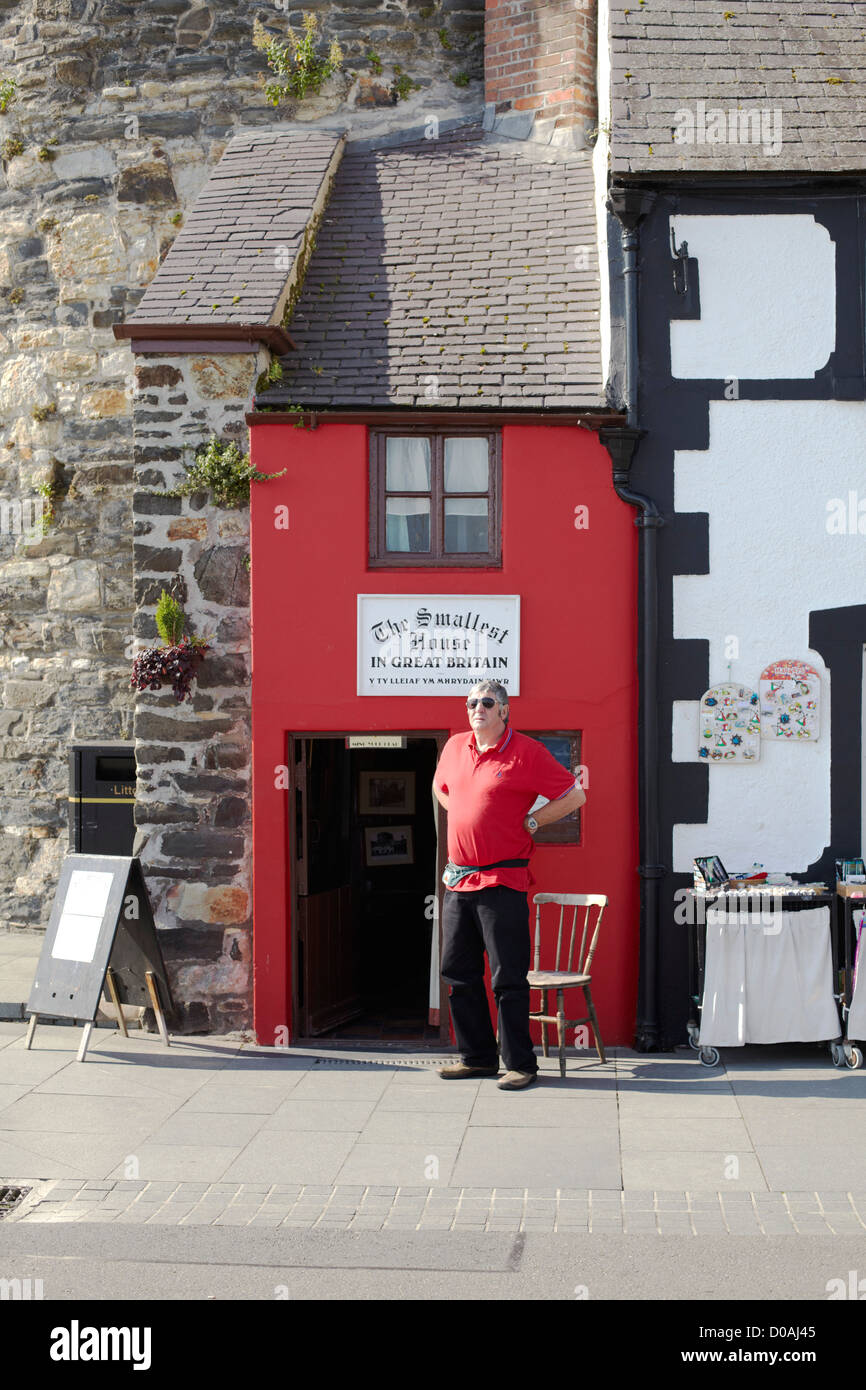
766	966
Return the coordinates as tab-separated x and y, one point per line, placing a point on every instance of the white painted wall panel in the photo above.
768	298
766	480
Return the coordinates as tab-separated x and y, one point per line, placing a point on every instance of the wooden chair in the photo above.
569	972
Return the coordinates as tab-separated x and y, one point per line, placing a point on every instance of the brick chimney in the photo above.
541	57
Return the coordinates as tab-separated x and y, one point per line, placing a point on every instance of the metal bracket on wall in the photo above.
680	254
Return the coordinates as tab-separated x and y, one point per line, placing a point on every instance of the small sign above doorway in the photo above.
376	741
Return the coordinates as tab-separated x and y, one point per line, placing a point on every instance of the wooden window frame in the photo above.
436	558
562	832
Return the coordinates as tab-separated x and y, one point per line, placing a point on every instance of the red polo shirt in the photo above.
489	796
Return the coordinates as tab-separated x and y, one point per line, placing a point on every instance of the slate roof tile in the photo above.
242	235
803	62
424	251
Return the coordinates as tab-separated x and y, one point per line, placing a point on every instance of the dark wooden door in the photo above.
326	940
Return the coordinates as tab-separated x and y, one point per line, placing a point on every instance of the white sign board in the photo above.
81	919
437	644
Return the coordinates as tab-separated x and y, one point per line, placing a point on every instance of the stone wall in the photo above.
193	794
118	114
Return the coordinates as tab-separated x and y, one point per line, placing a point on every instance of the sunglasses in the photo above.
487	702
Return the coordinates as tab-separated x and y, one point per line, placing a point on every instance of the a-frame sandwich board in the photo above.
101	935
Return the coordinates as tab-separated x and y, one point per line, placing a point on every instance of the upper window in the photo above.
434	499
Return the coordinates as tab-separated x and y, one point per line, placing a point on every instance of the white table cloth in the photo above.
768	978
855	1028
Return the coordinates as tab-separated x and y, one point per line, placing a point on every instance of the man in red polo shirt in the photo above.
487	781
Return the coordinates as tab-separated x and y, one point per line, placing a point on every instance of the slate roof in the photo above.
226	265
802	62
458	271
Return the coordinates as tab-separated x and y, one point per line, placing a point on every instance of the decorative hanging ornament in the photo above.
723	709
790	701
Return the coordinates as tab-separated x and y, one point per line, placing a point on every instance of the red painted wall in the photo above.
578	663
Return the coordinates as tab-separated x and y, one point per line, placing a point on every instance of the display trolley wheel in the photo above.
693	1030
709	1056
837	1054
854	1058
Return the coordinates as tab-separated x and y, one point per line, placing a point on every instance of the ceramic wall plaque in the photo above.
790	701
730	729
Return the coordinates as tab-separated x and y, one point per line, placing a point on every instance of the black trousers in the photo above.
495	920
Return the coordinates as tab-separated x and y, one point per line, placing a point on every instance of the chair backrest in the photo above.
581	905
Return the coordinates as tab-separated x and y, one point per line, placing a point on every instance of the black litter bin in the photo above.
101	798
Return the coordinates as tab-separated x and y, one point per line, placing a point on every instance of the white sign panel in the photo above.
81	919
437	644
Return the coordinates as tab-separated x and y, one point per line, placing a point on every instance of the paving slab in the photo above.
182	1162
694	1169
661	1102
537	1109
503	1156
430	1128
212	1131
77	1114
445	1096
299	1114
811	1165
683	1132
403	1163
798	1125
19	1067
236	1098
289	1156
343	1085
10	1093
48	1154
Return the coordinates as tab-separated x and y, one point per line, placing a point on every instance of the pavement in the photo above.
19	957
215	1131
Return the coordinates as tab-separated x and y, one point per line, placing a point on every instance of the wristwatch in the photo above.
531	824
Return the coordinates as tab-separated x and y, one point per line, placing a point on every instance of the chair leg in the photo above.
560	1028
599	1045
544	1047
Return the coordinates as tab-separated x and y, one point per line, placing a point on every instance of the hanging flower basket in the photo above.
176	666
176	662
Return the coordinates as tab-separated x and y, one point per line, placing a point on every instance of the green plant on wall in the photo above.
273	373
300	70
403	84
170	620
11	148
8	92
222	469
51	490
176	662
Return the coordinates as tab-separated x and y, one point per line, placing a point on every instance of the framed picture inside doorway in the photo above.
387	793
386	845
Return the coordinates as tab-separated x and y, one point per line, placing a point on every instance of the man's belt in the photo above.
455	873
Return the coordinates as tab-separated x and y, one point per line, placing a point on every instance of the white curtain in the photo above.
856	1024
763	985
407	465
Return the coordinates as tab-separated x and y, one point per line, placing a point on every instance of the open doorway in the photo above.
367	847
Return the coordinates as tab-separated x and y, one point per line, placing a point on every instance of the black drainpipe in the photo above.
630	206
